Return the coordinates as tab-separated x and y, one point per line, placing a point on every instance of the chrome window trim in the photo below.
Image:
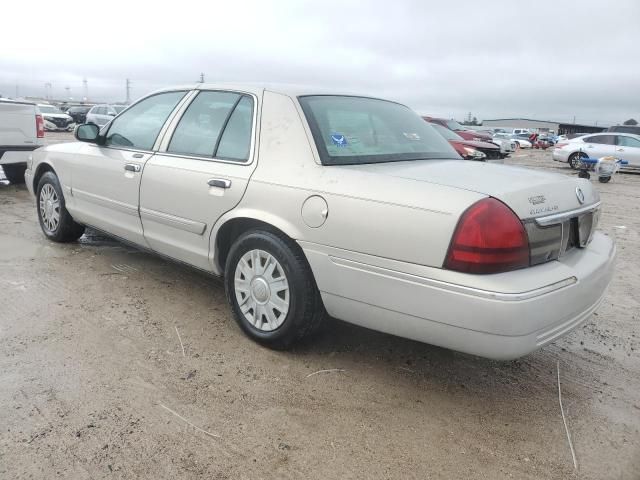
162	150
561	217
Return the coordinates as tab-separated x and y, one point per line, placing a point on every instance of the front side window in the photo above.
628	141
357	130
139	126
216	124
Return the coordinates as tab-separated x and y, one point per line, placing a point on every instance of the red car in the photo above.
460	129
469	149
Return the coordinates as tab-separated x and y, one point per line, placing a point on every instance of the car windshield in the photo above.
453	125
446	133
357	130
119	108
48	109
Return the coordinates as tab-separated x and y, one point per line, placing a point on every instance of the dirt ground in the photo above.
94	383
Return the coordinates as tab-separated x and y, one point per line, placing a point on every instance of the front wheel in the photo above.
604	179
575	159
56	222
271	289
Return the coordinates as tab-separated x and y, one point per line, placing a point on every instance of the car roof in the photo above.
257	89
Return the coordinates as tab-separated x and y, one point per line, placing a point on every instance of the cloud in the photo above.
495	59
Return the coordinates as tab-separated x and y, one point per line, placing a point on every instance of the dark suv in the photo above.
79	114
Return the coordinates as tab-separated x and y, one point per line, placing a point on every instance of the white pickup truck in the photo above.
21	132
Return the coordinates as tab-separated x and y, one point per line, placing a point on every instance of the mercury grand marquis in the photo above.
311	204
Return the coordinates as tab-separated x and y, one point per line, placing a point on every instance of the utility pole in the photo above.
47	90
85	88
68	90
574	119
202	78
128	83
17	91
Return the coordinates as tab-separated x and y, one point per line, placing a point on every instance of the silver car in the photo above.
311	204
622	145
103	114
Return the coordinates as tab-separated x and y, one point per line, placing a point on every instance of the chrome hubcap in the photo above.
262	290
49	208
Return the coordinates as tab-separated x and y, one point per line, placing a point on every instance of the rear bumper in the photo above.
18	155
497	322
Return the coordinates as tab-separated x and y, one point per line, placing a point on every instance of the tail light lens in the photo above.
489	238
40	126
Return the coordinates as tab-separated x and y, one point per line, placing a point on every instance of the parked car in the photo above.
635	129
622	145
309	204
55	119
79	113
461	130
469	149
103	114
21	132
519	142
507	145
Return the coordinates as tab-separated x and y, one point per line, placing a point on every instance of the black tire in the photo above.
604	179
306	311
14	172
574	159
67	230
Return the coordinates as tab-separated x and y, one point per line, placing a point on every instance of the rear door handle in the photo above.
219	182
620	149
132	167
138	155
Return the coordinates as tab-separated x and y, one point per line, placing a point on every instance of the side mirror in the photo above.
87	132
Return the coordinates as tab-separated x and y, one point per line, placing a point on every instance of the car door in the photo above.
105	182
597	146
628	148
201	171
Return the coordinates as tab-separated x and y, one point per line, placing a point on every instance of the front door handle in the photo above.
219	182
132	167
620	149
138	155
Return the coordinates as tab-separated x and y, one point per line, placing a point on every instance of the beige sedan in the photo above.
312	204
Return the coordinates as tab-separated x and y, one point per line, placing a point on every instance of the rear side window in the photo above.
628	141
140	125
626	129
236	139
356	130
601	139
216	124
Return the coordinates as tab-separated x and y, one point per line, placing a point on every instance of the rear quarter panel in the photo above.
369	213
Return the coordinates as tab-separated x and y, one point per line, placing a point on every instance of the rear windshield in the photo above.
453	125
356	130
119	108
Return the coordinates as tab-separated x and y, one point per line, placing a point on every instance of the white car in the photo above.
621	145
311	203
55	119
103	114
517	142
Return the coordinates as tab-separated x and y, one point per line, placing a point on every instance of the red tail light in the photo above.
489	238
40	126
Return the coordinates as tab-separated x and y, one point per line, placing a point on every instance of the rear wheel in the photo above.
14	172
271	289
575	159
56	222
604	179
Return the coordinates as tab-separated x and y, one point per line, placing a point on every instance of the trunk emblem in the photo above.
580	195
537	200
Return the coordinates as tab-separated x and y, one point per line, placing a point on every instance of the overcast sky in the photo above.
536	59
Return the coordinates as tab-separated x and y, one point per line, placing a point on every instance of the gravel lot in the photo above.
95	384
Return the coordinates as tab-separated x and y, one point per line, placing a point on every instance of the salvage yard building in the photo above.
558	128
